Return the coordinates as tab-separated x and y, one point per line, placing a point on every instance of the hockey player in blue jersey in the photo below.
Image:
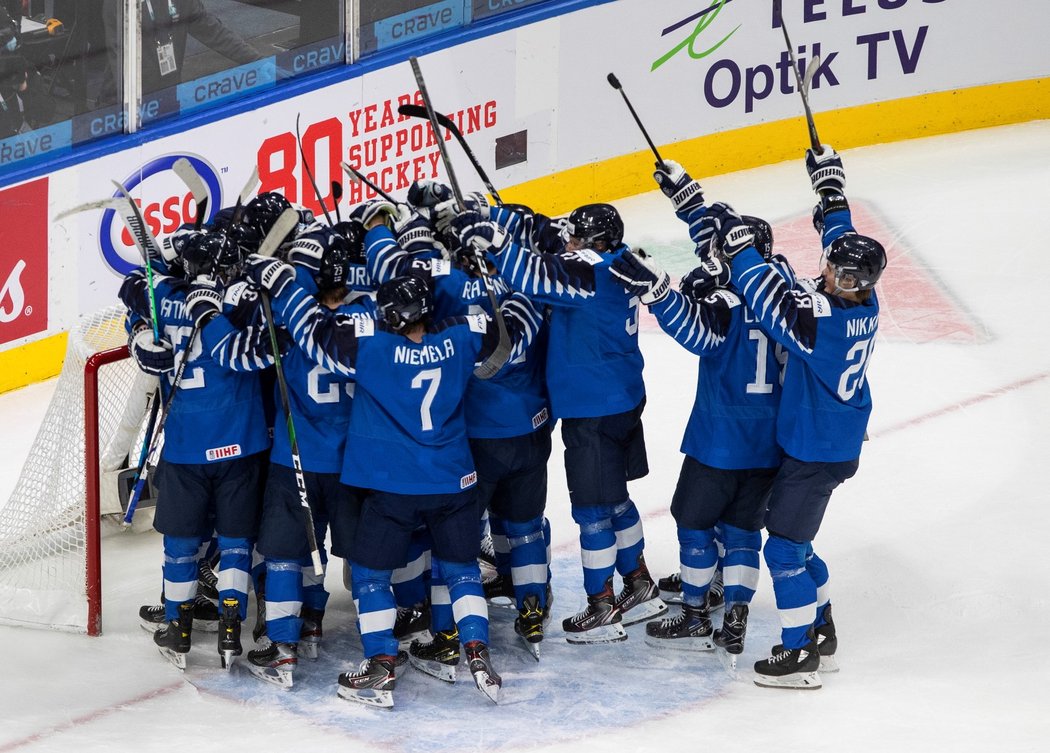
211	464
731	453
594	380
411	376
828	334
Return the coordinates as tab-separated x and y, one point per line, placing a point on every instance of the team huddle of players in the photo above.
412	361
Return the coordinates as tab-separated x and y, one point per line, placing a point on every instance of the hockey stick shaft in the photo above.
488	368
814	139
310	175
415	111
615	84
147	246
359	177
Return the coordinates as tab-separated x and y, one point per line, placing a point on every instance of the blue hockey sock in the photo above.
180	572
699	558
818	571
547	543
440	600
796	594
528	559
314	594
740	563
284	600
597	546
376	610
235	571
629	539
469	608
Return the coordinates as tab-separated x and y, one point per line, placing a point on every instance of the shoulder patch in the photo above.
440	267
478	323
364	326
821	305
239	290
731	299
586	255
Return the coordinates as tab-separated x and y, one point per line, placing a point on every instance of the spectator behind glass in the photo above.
165	24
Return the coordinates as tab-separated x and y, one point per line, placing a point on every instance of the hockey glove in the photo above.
204	300
412	230
372	213
306	253
245	309
638	274
679	187
155	358
447	210
825	171
268	273
699	283
731	233
427	193
475	230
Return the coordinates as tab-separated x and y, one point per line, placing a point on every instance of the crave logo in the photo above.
893	52
166	204
23	261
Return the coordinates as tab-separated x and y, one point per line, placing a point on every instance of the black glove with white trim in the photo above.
156	358
732	234
678	186
638	274
825	170
268	273
204	300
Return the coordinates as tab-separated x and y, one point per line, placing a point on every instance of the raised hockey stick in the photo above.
803	84
146	244
357	176
337	196
112	202
615	84
188	175
415	111
310	175
246	194
284	225
501	353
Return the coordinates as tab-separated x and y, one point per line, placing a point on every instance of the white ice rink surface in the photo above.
938	579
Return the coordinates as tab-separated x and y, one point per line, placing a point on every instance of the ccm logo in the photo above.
222	453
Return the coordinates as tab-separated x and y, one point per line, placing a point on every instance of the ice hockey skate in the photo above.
274	663
229	632
173	639
499	592
689	630
639	600
529	624
438	657
671	591
310	633
827	643
373	683
485	677
730	637
205	615
207	581
791	668
600	622
412	623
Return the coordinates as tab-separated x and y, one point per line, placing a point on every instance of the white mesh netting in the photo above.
42	532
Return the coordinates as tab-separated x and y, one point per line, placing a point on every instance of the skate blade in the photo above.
671	597
643	612
796	681
226	659
206	626
728	662
680	644
282	678
443	672
418	635
828	664
177	660
489	687
151	627
368	696
613	633
308	649
533	648
502	602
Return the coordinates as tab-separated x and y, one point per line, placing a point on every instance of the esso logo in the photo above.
166	204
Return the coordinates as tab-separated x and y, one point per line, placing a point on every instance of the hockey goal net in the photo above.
50	527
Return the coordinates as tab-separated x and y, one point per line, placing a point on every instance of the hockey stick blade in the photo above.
108	203
189	175
278	232
136	223
811	69
803	86
246	194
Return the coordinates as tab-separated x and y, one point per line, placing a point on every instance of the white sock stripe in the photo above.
740	575
596	559
275	610
470	606
824	593
798	616
375	622
411	571
234	580
180	590
629	536
440	595
527	574
698	576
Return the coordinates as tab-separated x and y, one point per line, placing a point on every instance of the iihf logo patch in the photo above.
469	480
223	453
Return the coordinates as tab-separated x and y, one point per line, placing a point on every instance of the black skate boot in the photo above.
274	663
259	630
791	668
311	632
173	639
438	657
229	632
151	617
412	622
689	630
640	598
207	580
529	624
373	683
600	622
671	589
205	614
827	642
499	592
487	558
716	592
485	677
730	638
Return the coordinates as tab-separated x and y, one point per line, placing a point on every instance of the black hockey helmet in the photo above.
763	235
335	264
262	211
856	256
404	300
210	254
246	237
353	234
595	222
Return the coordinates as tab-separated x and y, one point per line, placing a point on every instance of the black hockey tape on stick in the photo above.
310	175
415	111
615	84
337	196
357	176
803	86
188	175
502	352
284	225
